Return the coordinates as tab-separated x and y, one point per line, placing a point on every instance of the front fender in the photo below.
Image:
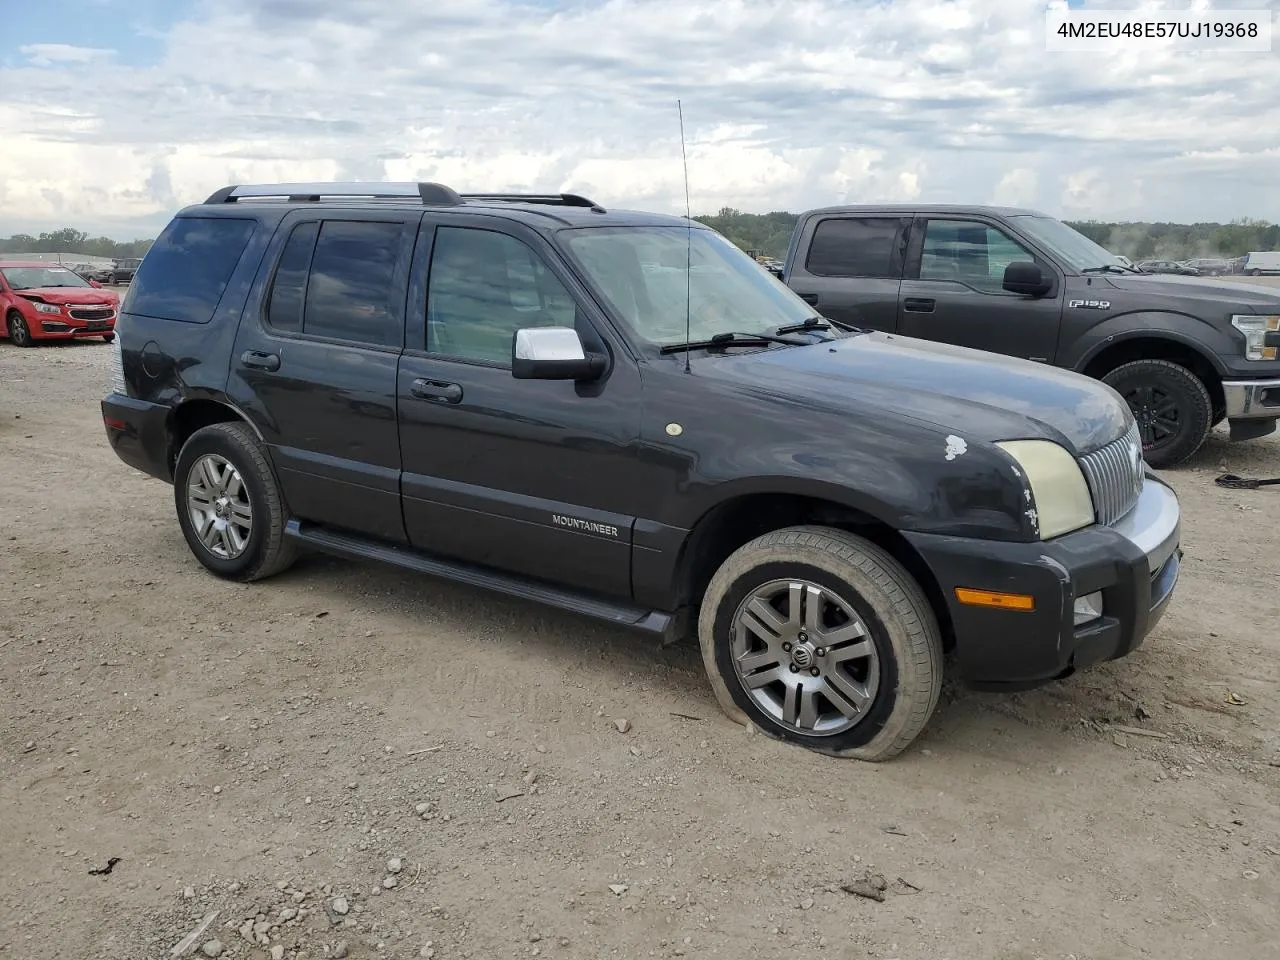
1206	339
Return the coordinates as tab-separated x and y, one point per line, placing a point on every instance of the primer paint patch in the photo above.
956	447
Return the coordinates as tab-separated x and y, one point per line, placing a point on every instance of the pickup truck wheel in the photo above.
821	638
229	505
1173	408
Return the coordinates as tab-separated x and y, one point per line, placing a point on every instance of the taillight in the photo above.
118	384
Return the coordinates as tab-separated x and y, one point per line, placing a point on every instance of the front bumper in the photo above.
1134	565
1252	399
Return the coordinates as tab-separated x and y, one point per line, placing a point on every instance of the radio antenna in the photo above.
688	247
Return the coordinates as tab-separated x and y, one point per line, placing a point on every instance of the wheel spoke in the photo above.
808	718
207	530
813	600
852	651
1169	427
768	616
1168	407
850	698
233	483
795	604
209	476
843	633
791	704
241	513
749	663
233	538
763	678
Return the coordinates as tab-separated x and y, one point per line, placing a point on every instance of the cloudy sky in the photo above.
113	113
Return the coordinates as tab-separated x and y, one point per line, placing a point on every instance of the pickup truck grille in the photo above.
1115	474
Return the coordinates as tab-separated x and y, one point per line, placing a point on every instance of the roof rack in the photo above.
553	199
435	194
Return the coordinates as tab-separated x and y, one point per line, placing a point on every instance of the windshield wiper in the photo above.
816	323
1109	267
733	338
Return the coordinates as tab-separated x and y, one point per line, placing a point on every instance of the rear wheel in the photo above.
108	337
229	505
19	332
1172	406
821	638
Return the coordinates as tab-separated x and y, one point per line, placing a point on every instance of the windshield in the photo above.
32	278
1069	245
643	271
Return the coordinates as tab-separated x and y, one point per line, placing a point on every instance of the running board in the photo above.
355	547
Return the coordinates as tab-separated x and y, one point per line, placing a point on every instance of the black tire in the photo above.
1172	406
112	280
898	618
1254	273
266	551
108	337
19	332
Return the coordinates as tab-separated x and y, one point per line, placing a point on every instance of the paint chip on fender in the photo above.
955	447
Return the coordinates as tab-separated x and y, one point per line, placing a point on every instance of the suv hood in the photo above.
64	295
1152	286
972	393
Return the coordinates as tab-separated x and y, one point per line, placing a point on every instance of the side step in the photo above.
355	547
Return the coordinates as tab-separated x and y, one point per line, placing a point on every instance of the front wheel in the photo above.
823	639
19	332
1172	406
229	506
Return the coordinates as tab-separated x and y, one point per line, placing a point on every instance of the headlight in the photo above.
46	307
1255	330
1060	495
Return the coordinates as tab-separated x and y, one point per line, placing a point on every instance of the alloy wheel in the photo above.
219	506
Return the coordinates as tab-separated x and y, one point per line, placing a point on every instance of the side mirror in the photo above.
776	271
95	283
552	353
1026	278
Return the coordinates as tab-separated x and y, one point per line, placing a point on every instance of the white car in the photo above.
1258	263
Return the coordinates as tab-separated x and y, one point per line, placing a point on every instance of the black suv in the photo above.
1185	353
122	271
623	415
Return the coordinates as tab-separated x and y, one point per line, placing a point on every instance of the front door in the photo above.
953	291
528	476
314	365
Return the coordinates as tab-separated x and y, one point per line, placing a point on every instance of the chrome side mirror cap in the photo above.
552	353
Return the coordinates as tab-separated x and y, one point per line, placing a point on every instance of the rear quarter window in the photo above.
185	272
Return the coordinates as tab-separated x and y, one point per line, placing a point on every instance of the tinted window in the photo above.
972	253
350	288
284	308
185	272
845	247
484	287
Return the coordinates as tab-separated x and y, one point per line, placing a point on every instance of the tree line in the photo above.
769	234
73	241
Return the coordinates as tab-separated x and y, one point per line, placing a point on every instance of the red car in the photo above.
45	301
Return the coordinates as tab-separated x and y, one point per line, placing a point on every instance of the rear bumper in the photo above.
138	432
1134	566
1252	399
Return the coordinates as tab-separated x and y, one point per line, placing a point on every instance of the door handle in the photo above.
259	360
436	390
919	304
810	298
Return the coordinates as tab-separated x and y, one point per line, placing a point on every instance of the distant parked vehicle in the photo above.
1258	263
1209	266
92	271
1167	266
122	271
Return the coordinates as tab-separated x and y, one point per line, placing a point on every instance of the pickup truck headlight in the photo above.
46	307
1062	499
1255	330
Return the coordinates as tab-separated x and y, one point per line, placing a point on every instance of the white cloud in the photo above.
787	105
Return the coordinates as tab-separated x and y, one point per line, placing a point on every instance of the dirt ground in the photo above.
261	753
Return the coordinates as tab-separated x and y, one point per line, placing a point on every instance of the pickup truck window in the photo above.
644	273
1065	242
855	247
969	252
484	287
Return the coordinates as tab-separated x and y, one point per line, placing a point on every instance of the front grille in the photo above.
92	313
1115	474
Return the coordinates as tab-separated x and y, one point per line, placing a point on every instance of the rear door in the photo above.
850	268
314	364
528	476
953	291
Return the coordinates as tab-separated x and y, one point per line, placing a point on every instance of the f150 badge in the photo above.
1090	304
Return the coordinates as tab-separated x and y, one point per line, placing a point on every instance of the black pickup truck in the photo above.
623	415
1185	353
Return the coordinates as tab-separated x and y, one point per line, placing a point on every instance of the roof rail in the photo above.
553	199
434	194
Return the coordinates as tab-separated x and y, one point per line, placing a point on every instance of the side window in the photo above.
187	269
972	253
289	288
848	247
350	286
485	286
